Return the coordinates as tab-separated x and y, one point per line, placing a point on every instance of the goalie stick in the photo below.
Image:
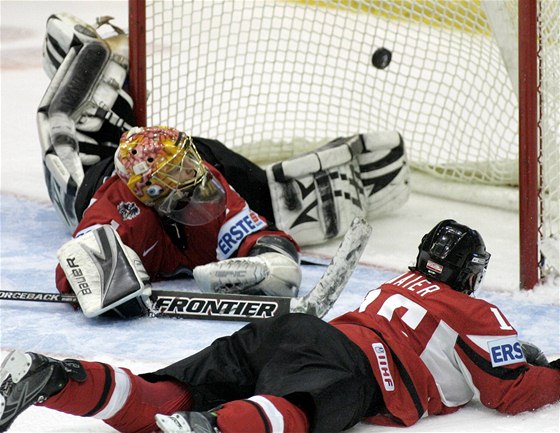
219	306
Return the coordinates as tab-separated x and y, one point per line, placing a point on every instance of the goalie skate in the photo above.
29	378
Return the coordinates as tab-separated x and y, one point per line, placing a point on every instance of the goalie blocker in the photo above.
315	196
105	274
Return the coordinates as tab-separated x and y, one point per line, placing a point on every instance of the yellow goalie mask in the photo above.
163	169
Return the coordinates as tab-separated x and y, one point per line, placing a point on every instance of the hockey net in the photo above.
275	78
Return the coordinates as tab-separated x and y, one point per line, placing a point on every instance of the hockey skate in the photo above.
29	378
188	422
272	274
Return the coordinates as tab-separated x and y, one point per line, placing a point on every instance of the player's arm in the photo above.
271	267
253	257
506	376
534	355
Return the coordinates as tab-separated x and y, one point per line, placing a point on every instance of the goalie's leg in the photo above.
84	110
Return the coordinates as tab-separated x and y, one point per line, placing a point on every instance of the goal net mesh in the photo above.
275	78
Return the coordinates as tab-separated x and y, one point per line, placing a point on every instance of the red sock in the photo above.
260	414
123	400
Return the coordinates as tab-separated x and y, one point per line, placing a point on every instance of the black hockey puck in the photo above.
381	58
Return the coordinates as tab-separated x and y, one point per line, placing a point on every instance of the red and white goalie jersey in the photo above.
433	349
177	248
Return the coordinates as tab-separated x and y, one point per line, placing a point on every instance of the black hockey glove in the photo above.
534	355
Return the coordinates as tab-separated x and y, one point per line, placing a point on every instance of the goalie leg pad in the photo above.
384	172
62	190
80	79
103	272
64	31
76	119
316	196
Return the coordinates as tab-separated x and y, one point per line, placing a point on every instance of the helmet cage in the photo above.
196	206
181	173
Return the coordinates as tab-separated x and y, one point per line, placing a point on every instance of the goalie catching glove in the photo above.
272	269
105	274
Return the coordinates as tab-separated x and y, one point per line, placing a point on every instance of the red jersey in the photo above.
432	349
141	228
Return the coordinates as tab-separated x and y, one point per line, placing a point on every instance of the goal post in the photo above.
528	145
472	85
137	54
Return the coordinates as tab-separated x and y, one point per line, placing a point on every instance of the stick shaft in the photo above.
220	306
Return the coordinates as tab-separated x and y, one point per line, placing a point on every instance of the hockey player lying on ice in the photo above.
162	204
418	345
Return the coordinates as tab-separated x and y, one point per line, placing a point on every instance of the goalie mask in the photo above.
453	254
163	169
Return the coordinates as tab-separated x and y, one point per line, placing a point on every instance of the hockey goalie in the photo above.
151	203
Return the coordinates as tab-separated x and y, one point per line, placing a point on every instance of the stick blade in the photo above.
331	284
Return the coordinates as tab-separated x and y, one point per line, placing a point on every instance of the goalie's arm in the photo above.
105	274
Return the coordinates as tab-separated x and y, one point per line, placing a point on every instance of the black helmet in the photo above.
453	254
